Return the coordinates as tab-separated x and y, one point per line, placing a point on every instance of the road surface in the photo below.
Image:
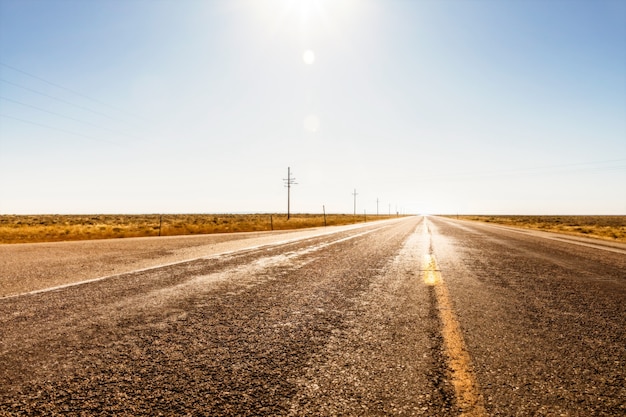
418	316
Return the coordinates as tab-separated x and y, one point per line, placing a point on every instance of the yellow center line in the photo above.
468	397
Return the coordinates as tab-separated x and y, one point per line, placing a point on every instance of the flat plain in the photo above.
55	227
598	227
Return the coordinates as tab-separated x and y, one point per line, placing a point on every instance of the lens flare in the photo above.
308	57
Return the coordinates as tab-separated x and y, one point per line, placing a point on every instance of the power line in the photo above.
67	117
58	129
70	90
62	101
544	170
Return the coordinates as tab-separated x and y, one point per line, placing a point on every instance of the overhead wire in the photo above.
69	103
67	117
60	100
70	90
613	165
58	129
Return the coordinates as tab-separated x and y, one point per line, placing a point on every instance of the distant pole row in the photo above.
289	181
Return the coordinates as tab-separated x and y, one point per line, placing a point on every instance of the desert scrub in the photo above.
599	227
51	228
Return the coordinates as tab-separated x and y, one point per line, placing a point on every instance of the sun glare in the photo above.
304	19
312	123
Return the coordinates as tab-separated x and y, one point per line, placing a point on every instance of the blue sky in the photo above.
503	107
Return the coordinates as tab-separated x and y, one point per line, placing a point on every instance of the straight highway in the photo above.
424	316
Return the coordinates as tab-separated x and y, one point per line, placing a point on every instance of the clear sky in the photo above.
473	106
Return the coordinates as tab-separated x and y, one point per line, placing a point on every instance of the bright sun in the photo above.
309	22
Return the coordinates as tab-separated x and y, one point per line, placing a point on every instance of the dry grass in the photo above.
600	227
52	228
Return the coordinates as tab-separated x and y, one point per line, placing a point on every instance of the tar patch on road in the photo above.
466	392
439	373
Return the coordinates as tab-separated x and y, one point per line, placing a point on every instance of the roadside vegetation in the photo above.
53	228
600	227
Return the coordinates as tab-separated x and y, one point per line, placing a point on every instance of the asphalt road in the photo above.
420	316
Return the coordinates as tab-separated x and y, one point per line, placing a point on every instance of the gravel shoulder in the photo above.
36	266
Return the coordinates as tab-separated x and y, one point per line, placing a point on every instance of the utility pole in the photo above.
354	194
289	181
377	206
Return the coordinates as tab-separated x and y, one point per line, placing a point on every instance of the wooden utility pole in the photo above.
376	206
289	181
354	194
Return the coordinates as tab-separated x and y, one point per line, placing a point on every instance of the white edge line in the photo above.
560	237
214	256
